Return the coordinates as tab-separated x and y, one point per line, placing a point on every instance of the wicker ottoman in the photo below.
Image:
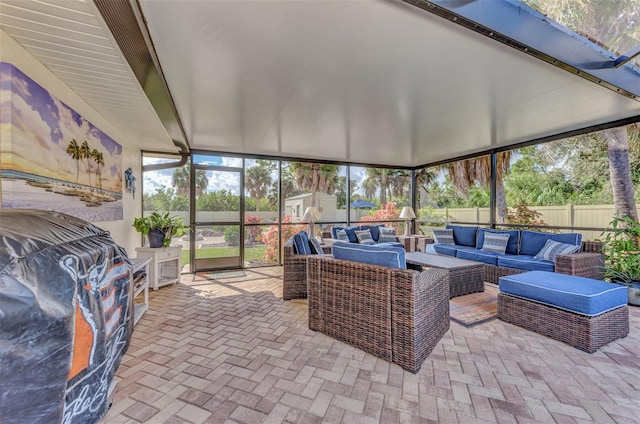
584	313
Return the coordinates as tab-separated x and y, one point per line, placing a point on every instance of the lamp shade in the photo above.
407	213
311	214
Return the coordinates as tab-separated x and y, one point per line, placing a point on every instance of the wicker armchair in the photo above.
397	315
294	280
588	263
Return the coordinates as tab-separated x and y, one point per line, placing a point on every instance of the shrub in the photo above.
253	234
232	235
270	238
388	213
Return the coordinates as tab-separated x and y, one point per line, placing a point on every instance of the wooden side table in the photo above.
165	264
415	242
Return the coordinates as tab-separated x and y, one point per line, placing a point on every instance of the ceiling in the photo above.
369	82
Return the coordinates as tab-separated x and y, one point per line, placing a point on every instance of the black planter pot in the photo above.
156	238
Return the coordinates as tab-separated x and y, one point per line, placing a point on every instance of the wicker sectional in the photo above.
588	263
395	314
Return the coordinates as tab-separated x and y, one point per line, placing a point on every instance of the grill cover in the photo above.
65	317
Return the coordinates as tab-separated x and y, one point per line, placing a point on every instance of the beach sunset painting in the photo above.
51	157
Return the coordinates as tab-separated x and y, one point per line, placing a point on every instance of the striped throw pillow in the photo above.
387	234
342	235
495	242
553	248
364	237
443	236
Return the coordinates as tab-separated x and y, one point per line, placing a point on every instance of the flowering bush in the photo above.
388	213
253	235
270	238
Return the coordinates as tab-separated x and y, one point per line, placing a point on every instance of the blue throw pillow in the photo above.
553	248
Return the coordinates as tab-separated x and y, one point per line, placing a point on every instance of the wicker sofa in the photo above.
519	257
395	314
294	280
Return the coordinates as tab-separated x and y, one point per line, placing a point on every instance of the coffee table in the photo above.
464	276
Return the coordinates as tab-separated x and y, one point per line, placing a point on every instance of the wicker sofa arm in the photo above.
294	279
582	264
419	315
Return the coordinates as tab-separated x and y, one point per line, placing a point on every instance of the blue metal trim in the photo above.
519	26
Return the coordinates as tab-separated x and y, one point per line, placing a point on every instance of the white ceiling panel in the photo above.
375	82
72	40
360	81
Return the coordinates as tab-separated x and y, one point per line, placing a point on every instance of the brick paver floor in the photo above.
232	351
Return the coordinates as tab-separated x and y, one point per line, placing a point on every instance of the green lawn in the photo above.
255	253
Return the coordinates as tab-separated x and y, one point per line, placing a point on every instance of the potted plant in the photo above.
159	229
622	256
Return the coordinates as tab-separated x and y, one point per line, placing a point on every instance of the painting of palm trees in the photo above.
55	159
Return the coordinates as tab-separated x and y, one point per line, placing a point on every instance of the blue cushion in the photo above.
512	244
301	243
526	263
576	294
472	254
532	241
351	233
464	236
375	230
390	256
390	243
445	249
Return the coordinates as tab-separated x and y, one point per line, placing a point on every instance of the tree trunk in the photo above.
501	203
620	172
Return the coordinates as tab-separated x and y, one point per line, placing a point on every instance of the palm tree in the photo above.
377	177
398	182
424	177
98	158
315	177
73	150
613	25
465	173
181	176
257	182
85	153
